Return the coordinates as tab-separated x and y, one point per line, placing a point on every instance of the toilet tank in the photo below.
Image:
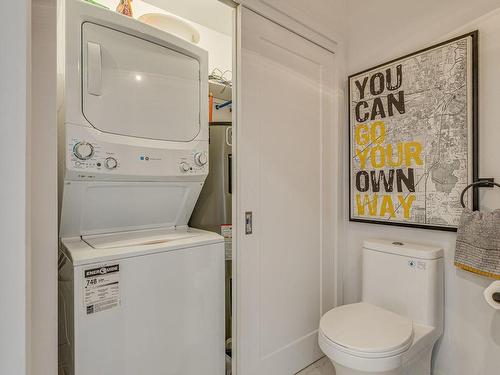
405	278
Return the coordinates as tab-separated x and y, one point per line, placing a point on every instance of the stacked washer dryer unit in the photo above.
140	292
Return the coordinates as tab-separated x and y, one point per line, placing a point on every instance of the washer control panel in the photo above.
89	156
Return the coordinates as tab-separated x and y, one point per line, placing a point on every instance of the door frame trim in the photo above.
287	21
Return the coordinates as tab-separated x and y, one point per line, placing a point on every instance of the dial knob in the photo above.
200	158
184	167
83	150
110	163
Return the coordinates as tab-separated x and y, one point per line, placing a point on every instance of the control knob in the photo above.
83	150
110	163
184	167
200	158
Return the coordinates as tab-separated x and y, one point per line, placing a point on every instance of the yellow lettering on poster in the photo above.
363	156
377	157
361	134
399	153
406	204
367	201
377	132
387	206
412	152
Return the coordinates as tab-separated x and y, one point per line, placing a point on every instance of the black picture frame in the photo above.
474	54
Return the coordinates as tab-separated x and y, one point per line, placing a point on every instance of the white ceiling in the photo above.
210	13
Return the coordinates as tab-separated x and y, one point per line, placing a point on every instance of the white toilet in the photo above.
394	329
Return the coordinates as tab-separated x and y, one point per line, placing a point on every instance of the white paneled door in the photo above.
285	172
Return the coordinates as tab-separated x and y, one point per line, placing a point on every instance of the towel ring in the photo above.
478	184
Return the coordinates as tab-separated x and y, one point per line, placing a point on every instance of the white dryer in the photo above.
133	123
140	292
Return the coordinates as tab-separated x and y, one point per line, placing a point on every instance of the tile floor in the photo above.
321	367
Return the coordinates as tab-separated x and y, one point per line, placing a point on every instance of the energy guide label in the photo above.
101	288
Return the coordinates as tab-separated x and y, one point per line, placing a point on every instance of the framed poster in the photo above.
413	136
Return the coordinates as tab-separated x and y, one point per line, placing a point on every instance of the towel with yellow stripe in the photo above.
478	243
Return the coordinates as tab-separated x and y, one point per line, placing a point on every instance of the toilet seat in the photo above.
366	330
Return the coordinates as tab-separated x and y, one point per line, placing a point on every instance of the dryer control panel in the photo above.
92	154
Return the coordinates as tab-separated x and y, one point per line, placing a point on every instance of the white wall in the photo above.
43	190
379	31
14	200
384	28
218	44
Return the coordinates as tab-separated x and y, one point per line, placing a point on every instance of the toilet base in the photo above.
419	364
341	370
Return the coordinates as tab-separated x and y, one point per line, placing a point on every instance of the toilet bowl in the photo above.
394	329
365	339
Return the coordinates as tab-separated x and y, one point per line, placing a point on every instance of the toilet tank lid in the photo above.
403	248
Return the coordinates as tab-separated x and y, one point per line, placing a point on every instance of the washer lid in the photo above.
363	328
114	246
137	238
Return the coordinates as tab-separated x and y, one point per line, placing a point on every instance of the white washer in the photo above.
143	302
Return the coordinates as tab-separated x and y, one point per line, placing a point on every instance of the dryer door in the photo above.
137	88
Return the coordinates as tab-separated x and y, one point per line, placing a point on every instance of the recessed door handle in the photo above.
94	69
229	136
248	222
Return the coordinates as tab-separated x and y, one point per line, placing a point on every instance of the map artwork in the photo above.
412	129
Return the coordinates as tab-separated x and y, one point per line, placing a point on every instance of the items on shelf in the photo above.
125	7
210	107
172	24
219	76
225	104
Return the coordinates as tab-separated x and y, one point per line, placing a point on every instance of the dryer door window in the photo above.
137	88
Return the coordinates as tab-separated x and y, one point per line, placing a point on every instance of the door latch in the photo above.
248	222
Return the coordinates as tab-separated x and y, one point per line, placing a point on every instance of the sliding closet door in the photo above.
285	132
